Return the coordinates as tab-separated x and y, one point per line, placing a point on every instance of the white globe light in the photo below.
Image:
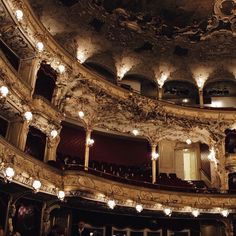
111	203
28	116
4	91
61	195
135	132
40	46
19	15
9	173
155	155
36	185
61	68
54	133
139	208
225	212
90	142
81	114
167	211
195	212
188	141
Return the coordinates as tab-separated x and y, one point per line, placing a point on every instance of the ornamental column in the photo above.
51	147
17	133
88	144
201	100
160	92
154	163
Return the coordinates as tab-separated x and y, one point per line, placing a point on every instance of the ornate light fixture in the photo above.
28	115
19	15
167	211
9	173
54	133
4	91
188	141
139	207
81	114
39	46
111	203
135	132
36	185
61	195
195	212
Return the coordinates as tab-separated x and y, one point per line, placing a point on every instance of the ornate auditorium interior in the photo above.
120	114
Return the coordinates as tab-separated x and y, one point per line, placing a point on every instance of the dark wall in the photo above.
205	163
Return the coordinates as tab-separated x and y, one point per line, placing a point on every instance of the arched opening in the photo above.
220	93
35	143
101	70
139	84
180	92
45	81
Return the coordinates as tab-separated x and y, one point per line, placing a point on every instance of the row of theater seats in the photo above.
138	175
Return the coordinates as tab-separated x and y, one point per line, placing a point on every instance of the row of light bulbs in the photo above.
9	173
167	210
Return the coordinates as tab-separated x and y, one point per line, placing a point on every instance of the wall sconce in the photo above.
135	132
61	195
61	69
167	211
195	212
40	46
3	91
111	203
90	142
9	173
139	208
53	133
19	15
155	156
36	185
188	141
81	114
28	116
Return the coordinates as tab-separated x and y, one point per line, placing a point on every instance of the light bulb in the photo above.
54	133
4	91
36	185
40	46
61	68
9	173
188	141
135	132
167	211
224	212
195	212
81	114
139	208
28	115
19	15
90	142
155	155
111	203
61	195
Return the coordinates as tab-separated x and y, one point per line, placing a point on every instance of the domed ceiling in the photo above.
179	38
